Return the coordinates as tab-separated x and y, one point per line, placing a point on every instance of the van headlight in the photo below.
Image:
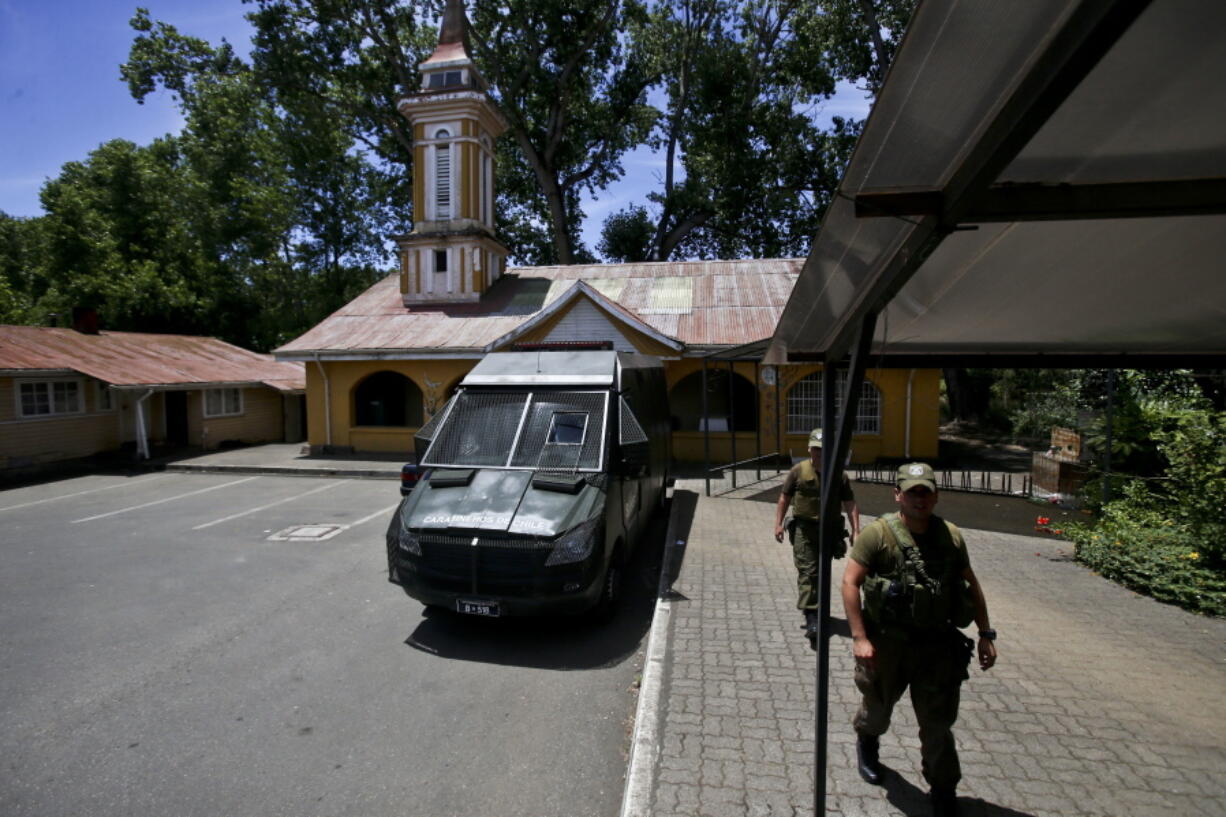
576	544
410	542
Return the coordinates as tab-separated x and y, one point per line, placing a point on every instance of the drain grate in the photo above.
306	533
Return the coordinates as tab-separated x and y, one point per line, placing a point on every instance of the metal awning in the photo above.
1039	182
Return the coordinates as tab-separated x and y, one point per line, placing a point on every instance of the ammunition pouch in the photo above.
884	601
893	604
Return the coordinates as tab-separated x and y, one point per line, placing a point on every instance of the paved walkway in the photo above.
1103	702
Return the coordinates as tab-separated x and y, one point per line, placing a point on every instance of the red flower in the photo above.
1043	520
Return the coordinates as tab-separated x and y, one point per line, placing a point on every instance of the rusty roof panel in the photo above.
140	359
697	302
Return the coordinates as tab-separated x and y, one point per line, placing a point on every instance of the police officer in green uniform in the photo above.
802	490
918	589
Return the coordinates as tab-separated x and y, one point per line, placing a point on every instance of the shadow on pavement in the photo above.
681	520
564	643
991	512
911	800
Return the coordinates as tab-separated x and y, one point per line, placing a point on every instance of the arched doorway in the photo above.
731	405
387	399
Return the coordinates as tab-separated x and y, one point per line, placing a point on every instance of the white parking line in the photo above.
383	512
269	505
153	478
160	501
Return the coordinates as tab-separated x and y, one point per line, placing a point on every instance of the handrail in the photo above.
733	466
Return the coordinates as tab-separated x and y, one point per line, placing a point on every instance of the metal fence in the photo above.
1006	483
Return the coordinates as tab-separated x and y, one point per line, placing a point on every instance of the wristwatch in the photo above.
990	635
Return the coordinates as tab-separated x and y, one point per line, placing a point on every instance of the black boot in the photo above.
812	626
944	801
866	759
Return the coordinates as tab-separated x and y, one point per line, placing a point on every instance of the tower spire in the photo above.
453	28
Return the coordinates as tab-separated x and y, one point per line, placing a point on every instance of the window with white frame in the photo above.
223	402
47	398
805	405
442	177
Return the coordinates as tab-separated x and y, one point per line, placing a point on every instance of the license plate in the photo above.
477	608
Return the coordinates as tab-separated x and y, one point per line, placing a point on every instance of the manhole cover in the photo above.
306	533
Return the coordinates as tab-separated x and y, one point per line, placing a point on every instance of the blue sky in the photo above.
60	91
61	95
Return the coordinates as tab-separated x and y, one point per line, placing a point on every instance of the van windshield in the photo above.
540	430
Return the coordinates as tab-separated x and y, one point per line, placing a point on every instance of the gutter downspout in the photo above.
327	402
906	438
142	436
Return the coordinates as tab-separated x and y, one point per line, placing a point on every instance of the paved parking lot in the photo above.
228	644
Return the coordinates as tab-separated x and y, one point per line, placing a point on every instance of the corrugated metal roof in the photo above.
139	359
699	303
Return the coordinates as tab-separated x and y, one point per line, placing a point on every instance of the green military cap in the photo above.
815	438
914	474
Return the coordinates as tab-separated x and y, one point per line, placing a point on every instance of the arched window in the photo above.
387	399
805	405
730	406
442	177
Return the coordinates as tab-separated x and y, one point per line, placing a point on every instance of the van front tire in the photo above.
610	592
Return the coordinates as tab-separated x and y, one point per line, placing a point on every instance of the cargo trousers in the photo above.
806	537
934	669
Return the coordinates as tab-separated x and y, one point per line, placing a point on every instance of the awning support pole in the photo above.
706	431
834	454
732	419
1110	433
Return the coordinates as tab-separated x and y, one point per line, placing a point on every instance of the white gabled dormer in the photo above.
452	254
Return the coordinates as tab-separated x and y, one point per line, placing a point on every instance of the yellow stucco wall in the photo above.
262	420
47	439
436	379
891	442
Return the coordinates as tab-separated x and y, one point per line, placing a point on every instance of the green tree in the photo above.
571	86
284	203
746	169
21	274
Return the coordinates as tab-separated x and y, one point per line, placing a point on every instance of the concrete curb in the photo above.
273	470
645	744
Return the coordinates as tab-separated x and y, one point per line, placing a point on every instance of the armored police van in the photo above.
541	474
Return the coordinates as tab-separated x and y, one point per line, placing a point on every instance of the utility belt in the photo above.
813	529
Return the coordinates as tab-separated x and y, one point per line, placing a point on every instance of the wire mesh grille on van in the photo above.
523	430
493	565
479	430
631	432
543	448
428	431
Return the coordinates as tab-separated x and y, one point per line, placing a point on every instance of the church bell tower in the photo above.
452	255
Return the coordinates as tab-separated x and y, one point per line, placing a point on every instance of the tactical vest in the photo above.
899	598
807	501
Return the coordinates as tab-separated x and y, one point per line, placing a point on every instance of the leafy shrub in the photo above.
1139	543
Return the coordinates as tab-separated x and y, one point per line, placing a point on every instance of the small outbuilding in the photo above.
72	393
